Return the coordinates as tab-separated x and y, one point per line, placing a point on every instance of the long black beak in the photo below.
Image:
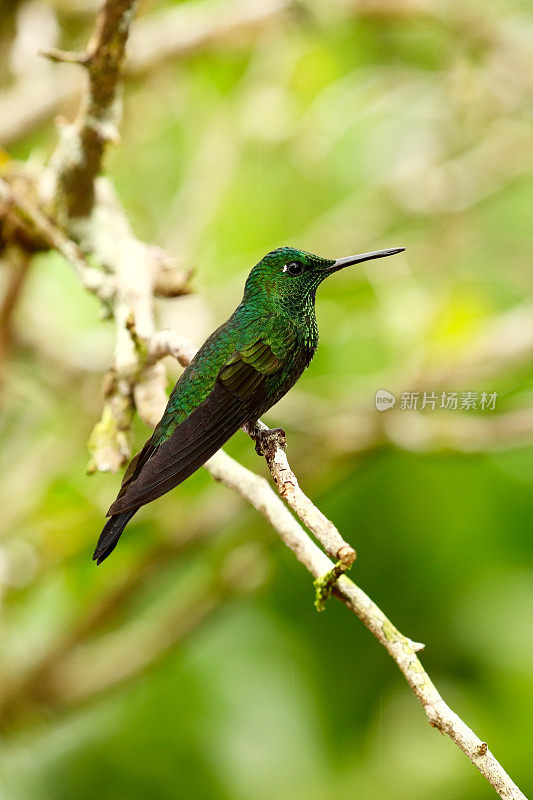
347	261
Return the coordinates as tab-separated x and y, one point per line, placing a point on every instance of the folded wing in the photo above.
240	392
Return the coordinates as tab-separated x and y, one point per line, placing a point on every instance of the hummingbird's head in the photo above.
289	277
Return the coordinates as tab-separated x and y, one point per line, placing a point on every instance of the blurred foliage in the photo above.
347	126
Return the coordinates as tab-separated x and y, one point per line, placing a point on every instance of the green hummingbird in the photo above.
240	371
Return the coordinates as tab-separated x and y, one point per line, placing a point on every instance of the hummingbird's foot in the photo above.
268	440
324	585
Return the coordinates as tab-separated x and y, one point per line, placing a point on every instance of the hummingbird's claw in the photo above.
267	441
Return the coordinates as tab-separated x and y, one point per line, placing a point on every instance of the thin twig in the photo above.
95	218
402	649
90	278
64	56
271	445
78	157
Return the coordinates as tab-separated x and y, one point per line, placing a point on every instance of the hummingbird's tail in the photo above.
111	534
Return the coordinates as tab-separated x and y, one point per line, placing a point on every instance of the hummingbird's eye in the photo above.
293	268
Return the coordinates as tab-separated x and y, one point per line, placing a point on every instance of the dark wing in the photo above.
239	393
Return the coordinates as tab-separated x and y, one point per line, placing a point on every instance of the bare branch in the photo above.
94	217
131	380
271	445
91	279
172	282
64	56
402	649
170	343
78	157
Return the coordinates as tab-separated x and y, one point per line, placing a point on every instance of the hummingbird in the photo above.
243	368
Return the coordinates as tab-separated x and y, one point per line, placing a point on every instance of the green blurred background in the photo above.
193	663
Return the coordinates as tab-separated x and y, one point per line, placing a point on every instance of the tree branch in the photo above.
272	447
402	649
78	157
94	280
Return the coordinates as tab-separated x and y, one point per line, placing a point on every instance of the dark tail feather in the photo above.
111	534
